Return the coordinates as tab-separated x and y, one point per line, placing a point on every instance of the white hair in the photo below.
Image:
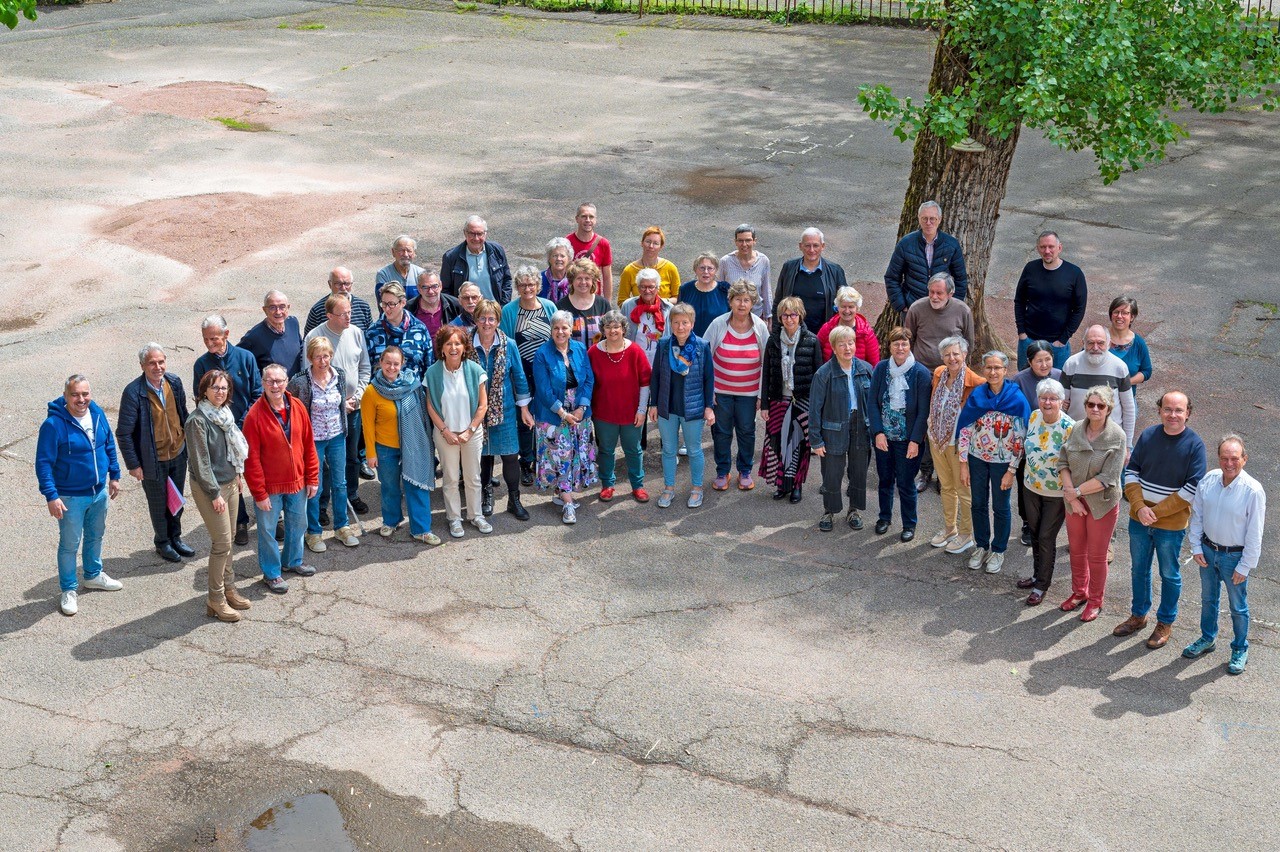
404	238
214	321
813	232
147	349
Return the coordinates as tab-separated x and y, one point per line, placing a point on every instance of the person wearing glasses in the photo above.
791	358
278	338
402	270
217	453
708	296
479	260
563	388
401	329
433	306
508	398
527	320
340	284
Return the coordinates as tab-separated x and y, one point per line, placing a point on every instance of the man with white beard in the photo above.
1096	365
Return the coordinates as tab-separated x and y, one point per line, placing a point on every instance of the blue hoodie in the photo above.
67	464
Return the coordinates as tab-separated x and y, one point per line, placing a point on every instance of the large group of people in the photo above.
453	371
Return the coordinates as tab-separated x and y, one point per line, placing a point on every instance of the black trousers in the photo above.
166	527
510	471
853	464
525	434
1045	516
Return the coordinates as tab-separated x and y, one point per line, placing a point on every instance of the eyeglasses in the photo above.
486	320
1096	406
274	308
476	233
392	304
790	315
344	315
275	381
219	389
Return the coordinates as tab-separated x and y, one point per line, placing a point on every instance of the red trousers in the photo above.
1088	539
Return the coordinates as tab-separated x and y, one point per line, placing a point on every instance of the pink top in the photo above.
737	363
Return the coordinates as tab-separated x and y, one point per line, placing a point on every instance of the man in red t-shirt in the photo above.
587	243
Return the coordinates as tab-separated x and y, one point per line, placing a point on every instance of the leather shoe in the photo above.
167	553
515	508
1035	598
1090	612
526	474
1026	583
907	535
1073	603
796	494
486	500
1132	624
361	507
325	519
242	534
781	493
922	482
882	527
854	520
182	547
1160	636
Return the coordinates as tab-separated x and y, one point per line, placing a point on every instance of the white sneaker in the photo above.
387	532
960	544
102	583
994	563
68	603
570	515
455	528
977	558
944	537
314	543
347	536
481	524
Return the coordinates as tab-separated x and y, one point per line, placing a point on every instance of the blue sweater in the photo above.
246	378
1137	358
706	306
68	464
270	348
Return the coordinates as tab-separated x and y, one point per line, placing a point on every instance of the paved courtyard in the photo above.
726	678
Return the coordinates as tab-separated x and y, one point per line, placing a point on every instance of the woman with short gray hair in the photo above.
708	296
555	278
848	308
1047	431
952	384
562	388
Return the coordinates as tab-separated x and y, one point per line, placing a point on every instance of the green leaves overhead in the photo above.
10	9
1107	75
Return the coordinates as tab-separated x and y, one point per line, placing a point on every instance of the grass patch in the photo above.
239	124
301	25
465	7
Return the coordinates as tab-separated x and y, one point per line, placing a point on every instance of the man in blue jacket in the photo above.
918	257
476	259
78	473
153	415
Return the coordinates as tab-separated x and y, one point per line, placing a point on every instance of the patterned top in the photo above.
327	408
893	419
1043	445
995	438
410	335
944	409
737	363
532	330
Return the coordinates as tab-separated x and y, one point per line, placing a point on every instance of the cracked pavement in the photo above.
719	679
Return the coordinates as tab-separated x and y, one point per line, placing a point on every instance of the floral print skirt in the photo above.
566	454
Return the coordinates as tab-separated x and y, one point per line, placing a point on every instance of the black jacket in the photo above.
832	280
808	360
134	434
453	270
907	278
451	308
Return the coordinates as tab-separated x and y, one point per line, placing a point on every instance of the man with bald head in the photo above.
401	269
278	338
1049	301
1097	365
340	284
813	279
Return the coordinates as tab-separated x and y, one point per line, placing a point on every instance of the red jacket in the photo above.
277	465
868	346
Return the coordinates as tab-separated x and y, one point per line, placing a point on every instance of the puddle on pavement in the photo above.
312	821
718	187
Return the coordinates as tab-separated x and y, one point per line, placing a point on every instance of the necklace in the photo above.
609	355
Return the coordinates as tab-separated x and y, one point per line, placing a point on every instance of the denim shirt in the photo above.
549	382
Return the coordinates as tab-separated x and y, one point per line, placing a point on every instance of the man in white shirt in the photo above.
1227	516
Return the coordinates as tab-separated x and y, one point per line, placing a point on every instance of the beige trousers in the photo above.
461	461
946	465
221	529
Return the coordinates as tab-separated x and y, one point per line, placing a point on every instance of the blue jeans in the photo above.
393	488
608	435
1221	567
735	414
333	456
670	428
85	519
294	507
984	485
1165	545
1060	353
894	468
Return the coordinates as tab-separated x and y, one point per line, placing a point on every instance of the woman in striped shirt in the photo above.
737	341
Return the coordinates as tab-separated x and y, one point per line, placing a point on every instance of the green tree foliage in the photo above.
10	9
1107	75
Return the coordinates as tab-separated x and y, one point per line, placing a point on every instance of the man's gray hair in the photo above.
215	321
428	272
954	340
744	228
945	278
1229	438
77	378
1053	234
266	299
475	220
147	349
935	205
404	238
813	232
275	368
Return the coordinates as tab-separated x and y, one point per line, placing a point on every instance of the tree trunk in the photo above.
970	187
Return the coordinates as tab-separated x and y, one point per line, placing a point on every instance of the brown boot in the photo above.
235	600
1130	625
217	608
1160	636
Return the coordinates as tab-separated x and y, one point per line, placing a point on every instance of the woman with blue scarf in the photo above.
681	390
990	433
393	413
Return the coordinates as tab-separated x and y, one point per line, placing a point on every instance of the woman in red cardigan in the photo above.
621	401
848	304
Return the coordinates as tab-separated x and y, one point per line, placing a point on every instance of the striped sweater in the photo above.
1163	473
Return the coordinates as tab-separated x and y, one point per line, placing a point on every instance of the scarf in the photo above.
789	360
237	446
898	382
638	312
1010	401
682	356
416	461
554	289
497	377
